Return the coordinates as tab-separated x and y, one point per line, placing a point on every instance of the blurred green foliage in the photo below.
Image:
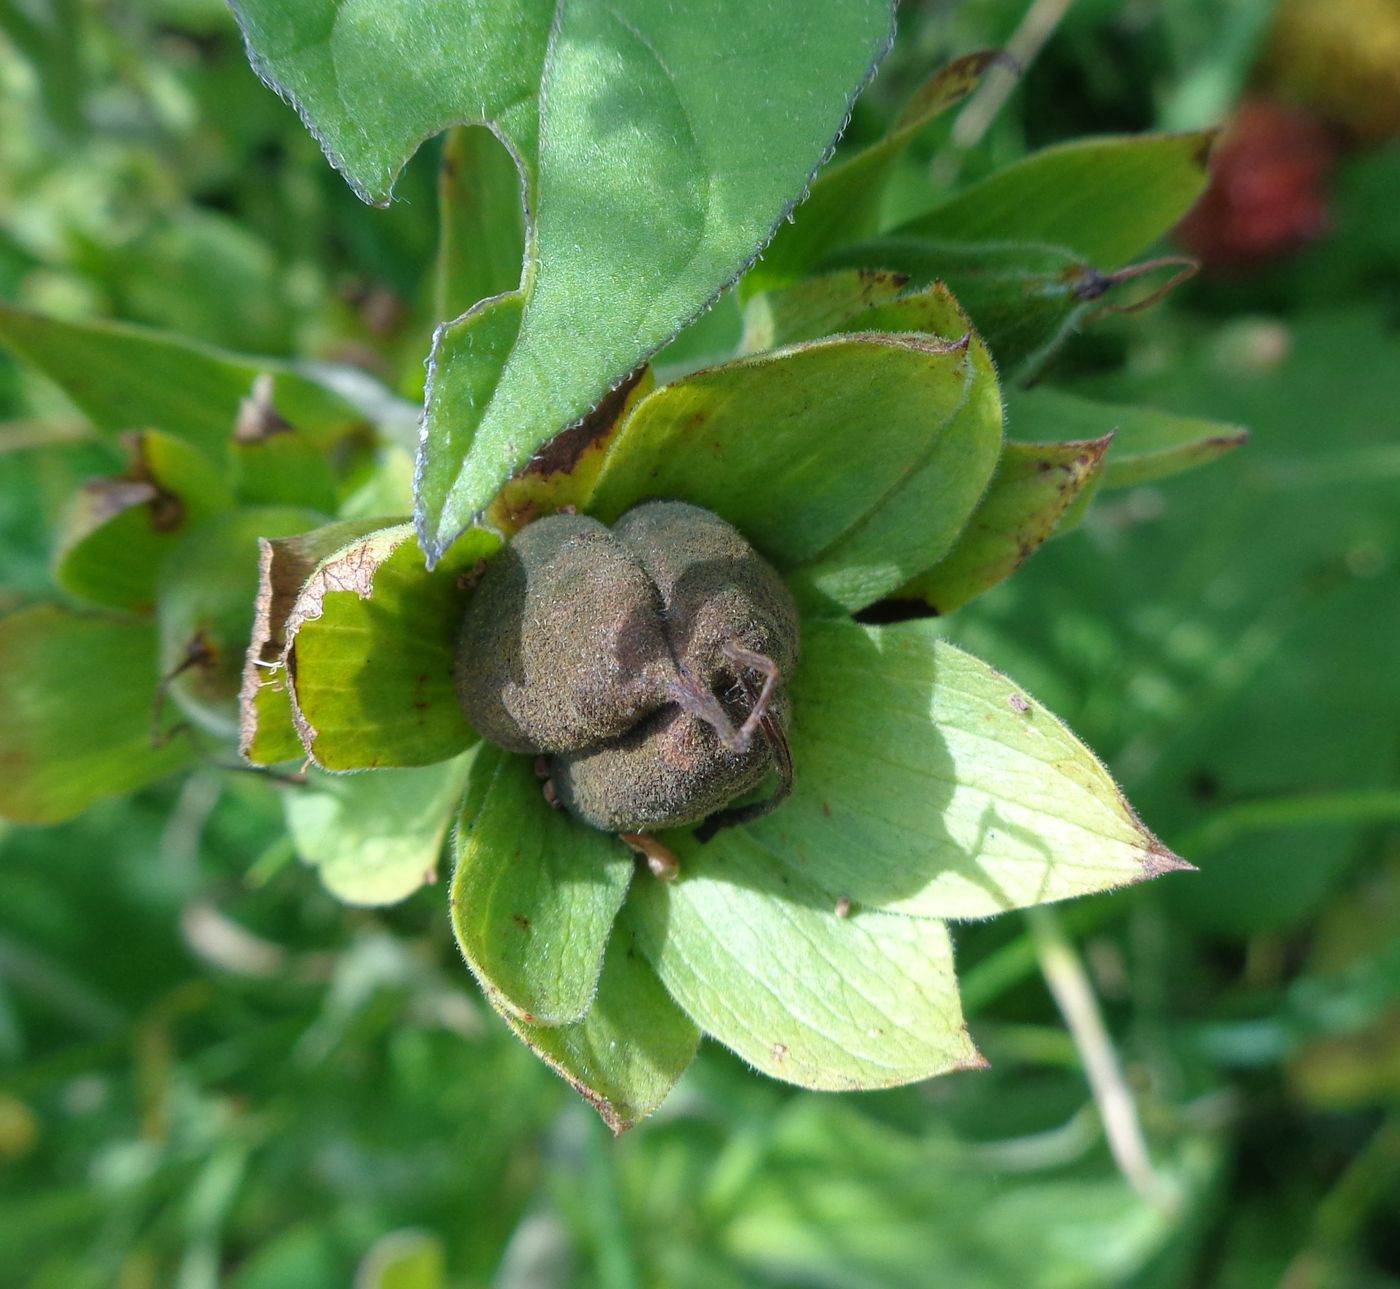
213	1074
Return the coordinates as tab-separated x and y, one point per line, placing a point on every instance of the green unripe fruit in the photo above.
645	662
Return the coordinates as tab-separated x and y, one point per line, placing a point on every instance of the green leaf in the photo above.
1104	199
458	61
284	470
375	838
267	733
626	1054
534	893
677	138
205	610
481	238
123	377
929	784
193	271
844	202
274	463
1034	487
370	643
117	531
767	442
406	1259
761	960
919	519
1148	444
851	1195
76	721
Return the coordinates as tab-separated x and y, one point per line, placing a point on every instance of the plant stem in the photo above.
1070	986
1025	44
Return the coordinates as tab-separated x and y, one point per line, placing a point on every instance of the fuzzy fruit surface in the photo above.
645	661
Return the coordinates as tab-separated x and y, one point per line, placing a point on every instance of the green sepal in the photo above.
1025	298
118	530
927	783
816	306
534	893
375	838
1148	444
77	718
765	962
1033	489
1104	199
768	442
920	518
626	1054
370	645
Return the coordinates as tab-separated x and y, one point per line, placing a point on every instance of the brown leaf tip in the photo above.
1159	860
974	1060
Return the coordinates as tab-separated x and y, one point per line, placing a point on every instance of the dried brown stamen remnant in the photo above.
644	663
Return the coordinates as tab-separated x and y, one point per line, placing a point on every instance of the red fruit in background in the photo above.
1268	191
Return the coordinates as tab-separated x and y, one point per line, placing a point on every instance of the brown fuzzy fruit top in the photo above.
646	662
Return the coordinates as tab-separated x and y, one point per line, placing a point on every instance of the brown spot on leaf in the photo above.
882	278
562	453
521	921
560	474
